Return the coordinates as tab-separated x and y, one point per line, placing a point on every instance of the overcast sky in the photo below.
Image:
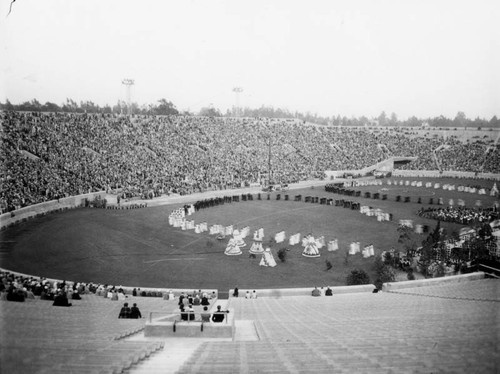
423	58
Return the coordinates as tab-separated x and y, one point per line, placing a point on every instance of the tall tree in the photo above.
382	119
460	119
166	108
394	119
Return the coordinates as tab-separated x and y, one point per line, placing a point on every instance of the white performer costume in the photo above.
267	259
310	247
257	248
232	248
238	239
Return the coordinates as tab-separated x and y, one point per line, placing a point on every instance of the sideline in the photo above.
177	199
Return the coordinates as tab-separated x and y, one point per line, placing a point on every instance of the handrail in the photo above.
177	317
495	271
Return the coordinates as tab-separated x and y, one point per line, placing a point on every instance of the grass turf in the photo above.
138	247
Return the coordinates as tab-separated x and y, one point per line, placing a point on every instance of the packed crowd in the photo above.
14	287
48	156
462	215
19	288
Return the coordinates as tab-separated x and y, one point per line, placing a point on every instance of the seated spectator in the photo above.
236	292
181	299
76	295
124	311
61	299
46	294
328	292
254	294
196	300
204	301
316	292
190	311
247	295
29	294
205	315
135	312
219	315
15	294
184	314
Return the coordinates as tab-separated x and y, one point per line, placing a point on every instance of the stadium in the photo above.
130	242
308	234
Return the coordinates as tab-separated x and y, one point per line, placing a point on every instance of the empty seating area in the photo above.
363	333
87	337
441	328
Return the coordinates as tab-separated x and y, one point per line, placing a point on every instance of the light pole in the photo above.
128	84
237	91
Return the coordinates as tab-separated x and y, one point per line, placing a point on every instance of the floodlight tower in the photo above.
237	91
128	84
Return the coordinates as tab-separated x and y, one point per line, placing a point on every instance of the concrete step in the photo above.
168	360
245	331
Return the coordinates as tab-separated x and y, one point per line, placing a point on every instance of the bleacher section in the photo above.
445	327
87	337
364	333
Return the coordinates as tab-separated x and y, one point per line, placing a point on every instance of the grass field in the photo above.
139	248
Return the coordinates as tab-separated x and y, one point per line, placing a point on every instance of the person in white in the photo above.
267	258
310	247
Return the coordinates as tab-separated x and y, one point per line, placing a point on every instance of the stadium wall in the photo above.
32	211
444	174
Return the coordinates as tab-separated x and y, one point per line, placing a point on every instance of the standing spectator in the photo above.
124	311
135	312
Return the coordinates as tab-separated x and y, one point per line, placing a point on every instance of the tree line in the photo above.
165	107
161	107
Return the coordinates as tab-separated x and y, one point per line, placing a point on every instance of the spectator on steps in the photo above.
328	292
124	311
61	299
135	312
15	294
204	301
219	315
196	300
205	315
76	295
29	294
46	294
316	292
184	314
181	299
190	312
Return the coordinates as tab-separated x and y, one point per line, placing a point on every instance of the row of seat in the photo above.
363	333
